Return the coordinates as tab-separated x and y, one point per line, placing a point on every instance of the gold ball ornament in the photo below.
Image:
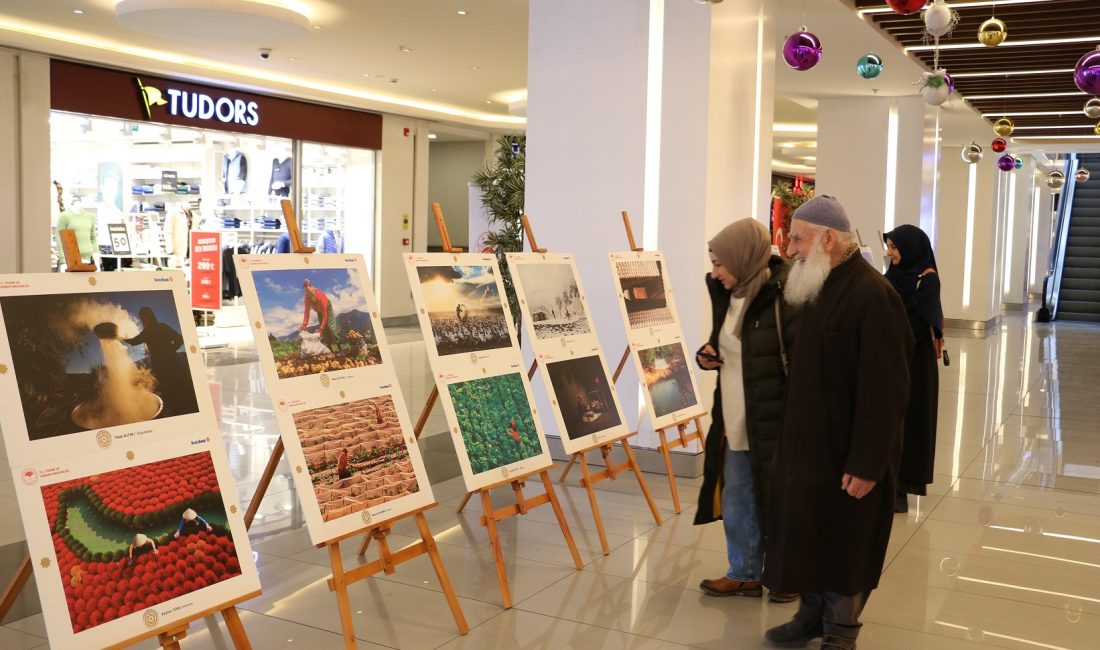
1096	129
1004	127
1092	108
993	32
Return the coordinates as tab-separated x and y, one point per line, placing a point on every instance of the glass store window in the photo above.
158	182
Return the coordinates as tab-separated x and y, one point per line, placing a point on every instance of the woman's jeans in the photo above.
744	543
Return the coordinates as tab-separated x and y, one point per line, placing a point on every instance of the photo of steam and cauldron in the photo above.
86	361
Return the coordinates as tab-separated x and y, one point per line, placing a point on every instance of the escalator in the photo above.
1078	296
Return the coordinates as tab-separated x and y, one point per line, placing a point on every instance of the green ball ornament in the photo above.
869	66
1019	163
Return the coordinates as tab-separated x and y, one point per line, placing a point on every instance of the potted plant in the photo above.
787	197
502	193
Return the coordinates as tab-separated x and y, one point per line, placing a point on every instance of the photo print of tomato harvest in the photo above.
464	308
356	455
642	287
129	539
86	361
668	378
318	320
495	420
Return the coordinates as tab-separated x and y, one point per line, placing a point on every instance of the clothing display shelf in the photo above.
323	202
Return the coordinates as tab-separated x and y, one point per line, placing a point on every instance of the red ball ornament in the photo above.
999	145
906	7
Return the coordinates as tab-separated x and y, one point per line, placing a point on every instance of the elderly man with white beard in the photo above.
833	484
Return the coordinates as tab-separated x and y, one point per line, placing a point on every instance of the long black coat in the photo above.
846	400
765	384
918	449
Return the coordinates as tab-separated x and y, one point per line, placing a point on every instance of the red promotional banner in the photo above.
206	270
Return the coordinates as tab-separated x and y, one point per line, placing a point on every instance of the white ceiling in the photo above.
356	50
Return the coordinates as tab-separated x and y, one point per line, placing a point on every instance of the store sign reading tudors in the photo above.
199	106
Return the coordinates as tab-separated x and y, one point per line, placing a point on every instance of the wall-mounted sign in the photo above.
80	88
120	239
193	105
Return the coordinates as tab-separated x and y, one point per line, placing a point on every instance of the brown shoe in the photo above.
775	597
728	587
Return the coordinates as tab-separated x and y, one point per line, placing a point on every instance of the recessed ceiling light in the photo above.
293	58
461	12
435	90
318	27
488	101
405	48
78	11
432	136
475	67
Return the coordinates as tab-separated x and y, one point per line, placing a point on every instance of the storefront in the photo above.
155	158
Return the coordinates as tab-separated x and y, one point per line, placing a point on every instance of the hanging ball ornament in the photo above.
1082	175
972	153
992	32
1004	127
1019	163
1096	129
1092	108
999	145
1006	163
1087	74
869	66
802	50
939	19
1055	180
906	7
935	88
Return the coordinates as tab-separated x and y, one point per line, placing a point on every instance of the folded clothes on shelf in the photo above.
147	189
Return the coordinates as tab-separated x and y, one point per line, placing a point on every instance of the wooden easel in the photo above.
387	562
611	470
523	505
169	635
683	436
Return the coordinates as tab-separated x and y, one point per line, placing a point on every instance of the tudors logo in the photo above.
199	106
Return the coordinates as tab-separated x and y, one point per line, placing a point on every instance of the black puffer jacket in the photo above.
765	386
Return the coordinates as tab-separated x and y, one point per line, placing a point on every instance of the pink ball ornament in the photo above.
802	50
1087	73
906	7
1006	163
999	145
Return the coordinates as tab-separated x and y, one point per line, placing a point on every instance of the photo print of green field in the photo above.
584	397
356	455
642	286
130	539
464	308
318	320
495	420
86	361
667	378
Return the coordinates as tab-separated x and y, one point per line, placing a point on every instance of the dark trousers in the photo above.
839	614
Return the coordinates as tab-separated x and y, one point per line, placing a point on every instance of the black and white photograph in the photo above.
553	299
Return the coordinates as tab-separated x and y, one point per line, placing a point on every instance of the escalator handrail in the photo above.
1061	234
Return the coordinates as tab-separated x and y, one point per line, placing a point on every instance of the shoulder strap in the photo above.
779	330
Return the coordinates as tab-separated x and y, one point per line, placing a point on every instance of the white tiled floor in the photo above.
1004	552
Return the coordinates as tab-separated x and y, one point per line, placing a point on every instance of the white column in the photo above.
1041	222
1018	213
879	157
663	109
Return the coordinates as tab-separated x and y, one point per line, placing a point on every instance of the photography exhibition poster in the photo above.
478	368
343	420
555	312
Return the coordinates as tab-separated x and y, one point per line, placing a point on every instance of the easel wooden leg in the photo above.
641	480
498	553
587	482
671	476
425	412
363	546
18	581
465	500
265	481
572	460
441	573
340	585
170	640
548	485
236	629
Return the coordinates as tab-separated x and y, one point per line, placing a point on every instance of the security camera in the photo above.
265	53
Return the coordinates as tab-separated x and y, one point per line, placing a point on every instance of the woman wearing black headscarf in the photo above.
914	275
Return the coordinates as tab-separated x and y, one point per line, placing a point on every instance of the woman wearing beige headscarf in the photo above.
753	332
